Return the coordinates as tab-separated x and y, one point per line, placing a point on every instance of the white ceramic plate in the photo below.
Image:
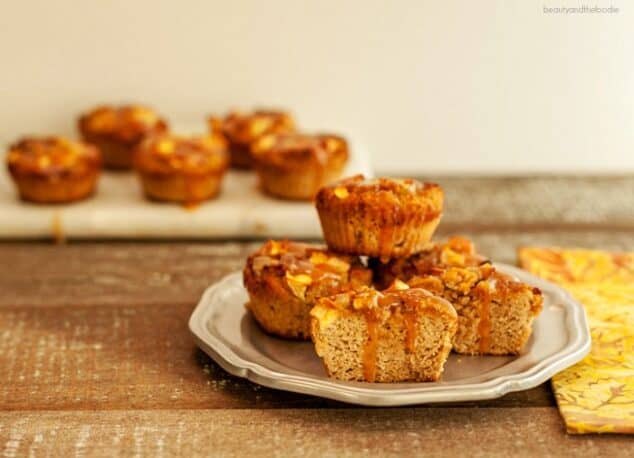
227	333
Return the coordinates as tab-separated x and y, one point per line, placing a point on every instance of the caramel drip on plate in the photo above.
191	205
57	228
193	188
190	192
484	327
369	352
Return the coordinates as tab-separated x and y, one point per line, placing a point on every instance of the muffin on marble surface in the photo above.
242	129
296	165
53	169
117	131
181	169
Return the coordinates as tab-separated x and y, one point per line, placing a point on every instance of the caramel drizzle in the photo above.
191	199
484	326
193	196
411	320
410	316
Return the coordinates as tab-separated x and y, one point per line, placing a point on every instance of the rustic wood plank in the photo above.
538	201
113	273
96	357
100	314
135	356
288	432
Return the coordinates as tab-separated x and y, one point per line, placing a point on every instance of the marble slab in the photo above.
119	210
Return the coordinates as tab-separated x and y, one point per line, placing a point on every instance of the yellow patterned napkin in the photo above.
597	394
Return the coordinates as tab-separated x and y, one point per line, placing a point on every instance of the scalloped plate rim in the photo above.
362	393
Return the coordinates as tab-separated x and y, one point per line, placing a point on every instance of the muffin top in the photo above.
292	150
399	294
377	306
391	193
305	270
242	129
165	153
485	282
455	252
127	123
50	156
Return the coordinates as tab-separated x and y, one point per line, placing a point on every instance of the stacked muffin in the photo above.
170	167
383	303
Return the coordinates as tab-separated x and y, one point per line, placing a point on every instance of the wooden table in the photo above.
96	358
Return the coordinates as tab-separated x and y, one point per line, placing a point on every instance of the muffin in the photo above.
295	166
383	217
495	311
181	169
455	252
242	129
284	279
117	131
400	334
53	169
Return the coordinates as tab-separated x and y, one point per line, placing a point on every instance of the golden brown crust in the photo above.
380	217
295	166
117	131
380	305
181	169
456	251
284	279
53	169
242	129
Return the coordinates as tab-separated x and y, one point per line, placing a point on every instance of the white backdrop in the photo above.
428	86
